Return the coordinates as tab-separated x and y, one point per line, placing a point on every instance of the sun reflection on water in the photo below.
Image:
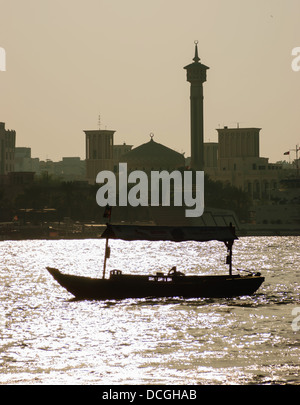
48	338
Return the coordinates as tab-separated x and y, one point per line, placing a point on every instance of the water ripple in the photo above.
49	338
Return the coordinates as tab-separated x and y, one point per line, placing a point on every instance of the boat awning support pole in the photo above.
107	254
107	214
229	256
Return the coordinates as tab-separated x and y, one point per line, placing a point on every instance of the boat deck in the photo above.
120	286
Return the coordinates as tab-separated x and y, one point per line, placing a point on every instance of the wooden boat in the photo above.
174	283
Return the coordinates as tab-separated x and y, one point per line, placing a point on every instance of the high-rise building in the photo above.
24	162
7	149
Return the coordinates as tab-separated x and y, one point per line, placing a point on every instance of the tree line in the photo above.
77	200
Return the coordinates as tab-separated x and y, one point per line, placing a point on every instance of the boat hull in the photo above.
123	286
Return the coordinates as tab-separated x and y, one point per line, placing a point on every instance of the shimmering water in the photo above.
46	338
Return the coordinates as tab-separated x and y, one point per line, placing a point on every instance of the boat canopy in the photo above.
170	233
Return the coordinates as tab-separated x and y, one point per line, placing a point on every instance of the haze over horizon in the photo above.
69	61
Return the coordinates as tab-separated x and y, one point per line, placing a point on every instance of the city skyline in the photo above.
68	63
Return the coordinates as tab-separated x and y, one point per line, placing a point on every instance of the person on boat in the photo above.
174	272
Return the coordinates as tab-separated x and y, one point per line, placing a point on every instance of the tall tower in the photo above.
99	152
196	75
7	149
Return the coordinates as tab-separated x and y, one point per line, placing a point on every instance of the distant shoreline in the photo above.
94	231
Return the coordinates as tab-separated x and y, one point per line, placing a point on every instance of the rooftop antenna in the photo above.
99	122
238	123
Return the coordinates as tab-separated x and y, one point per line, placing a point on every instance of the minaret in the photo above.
196	75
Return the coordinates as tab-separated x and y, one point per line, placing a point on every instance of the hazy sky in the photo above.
67	61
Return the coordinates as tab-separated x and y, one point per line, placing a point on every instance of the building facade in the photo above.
237	143
152	156
99	152
211	154
24	162
239	163
7	149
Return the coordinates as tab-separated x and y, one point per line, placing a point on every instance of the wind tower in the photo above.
196	75
99	152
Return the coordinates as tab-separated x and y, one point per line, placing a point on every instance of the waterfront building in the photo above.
24	162
101	153
67	169
210	154
239	163
119	151
153	156
7	149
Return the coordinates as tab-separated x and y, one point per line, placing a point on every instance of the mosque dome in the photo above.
153	156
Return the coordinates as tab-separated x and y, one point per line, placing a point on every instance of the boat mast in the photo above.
107	214
107	255
229	245
229	256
